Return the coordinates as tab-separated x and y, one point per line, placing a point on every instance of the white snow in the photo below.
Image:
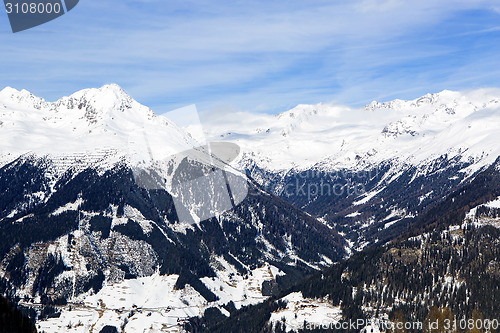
366	197
353	214
230	286
138	305
90	125
494	203
330	136
425	196
471	217
69	206
101	127
151	304
298	309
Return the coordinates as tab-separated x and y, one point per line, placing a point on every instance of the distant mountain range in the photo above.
86	244
369	172
334	137
77	226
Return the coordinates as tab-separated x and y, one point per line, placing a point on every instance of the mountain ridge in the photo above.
336	136
81	229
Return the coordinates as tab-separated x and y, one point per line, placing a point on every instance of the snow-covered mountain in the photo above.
370	171
85	242
334	137
88	120
448	263
83	232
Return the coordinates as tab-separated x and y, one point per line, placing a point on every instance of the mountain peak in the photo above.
13	92
21	97
110	94
444	96
106	101
304	112
89	119
447	123
8	91
112	89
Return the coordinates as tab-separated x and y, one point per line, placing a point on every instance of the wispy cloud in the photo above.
259	55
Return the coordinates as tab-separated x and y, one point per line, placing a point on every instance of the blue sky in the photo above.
260	56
